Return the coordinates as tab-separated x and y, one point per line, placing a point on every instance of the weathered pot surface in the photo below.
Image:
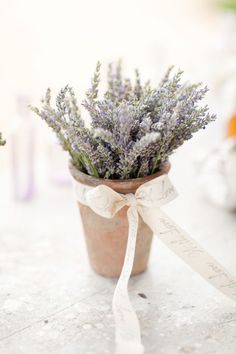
106	239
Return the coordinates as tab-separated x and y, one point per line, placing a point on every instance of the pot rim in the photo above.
166	167
120	185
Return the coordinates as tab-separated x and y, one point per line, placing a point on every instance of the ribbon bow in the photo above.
146	202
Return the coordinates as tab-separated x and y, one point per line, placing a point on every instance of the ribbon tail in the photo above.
178	241
128	337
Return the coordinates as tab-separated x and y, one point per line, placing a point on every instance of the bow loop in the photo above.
104	201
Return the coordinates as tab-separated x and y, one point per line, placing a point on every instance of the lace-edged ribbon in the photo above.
147	202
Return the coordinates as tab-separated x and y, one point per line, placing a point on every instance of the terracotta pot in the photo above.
106	239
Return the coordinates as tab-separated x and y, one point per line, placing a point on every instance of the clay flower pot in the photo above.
106	239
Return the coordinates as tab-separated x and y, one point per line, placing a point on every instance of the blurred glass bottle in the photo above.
57	163
22	151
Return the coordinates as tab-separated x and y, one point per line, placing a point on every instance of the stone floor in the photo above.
51	301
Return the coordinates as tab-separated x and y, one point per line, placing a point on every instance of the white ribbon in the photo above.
147	202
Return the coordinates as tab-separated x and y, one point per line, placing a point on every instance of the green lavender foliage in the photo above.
134	127
2	142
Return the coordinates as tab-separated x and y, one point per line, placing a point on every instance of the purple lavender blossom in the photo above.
134	127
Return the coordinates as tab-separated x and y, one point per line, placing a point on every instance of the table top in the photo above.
52	302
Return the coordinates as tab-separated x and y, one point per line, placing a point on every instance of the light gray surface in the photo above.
51	302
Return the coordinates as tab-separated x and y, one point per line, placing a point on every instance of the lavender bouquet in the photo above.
134	128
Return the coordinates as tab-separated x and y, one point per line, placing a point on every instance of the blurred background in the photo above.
43	264
52	43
